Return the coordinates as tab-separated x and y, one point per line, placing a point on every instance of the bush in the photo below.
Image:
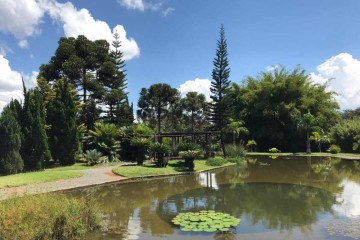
185	146
334	149
217	161
160	149
238	161
92	157
48	216
345	132
235	151
274	150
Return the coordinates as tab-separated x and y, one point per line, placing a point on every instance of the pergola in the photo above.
177	137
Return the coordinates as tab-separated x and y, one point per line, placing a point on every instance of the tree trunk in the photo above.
308	150
222	144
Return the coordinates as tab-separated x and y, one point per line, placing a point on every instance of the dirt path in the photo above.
93	176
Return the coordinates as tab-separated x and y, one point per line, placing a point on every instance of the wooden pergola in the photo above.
180	136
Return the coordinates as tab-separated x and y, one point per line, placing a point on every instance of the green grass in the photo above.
35	177
174	167
81	166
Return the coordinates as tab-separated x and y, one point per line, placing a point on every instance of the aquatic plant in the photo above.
205	221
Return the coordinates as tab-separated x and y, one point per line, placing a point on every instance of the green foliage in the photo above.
160	149
308	123
205	221
216	161
270	104
345	133
185	146
334	149
319	138
220	87
236	128
34	149
105	137
50	216
235	151
154	103
274	150
251	144
141	145
10	135
92	157
62	115
197	111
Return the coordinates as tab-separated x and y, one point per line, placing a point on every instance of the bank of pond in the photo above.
268	197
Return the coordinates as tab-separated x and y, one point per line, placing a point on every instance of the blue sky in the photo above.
174	41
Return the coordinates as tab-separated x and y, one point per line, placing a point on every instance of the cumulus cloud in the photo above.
20	18
81	22
197	85
10	83
167	11
342	74
133	4
350	199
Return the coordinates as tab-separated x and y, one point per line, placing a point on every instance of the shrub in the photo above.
238	161
274	150
160	149
48	216
334	149
235	151
92	157
189	157
251	144
185	146
345	132
217	161
141	145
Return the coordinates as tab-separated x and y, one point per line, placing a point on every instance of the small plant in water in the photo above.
205	221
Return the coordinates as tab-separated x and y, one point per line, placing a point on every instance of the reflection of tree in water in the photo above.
276	206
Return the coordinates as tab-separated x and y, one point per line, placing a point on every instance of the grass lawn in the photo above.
81	166
175	166
35	177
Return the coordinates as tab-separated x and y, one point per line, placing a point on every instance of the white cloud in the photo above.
342	72
349	199
167	11
197	85
143	5
272	68
81	22
23	43
133	4
10	83
20	18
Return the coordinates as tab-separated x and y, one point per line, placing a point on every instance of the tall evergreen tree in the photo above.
10	135
220	86
62	117
35	149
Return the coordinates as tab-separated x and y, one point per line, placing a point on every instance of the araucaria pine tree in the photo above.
62	118
35	149
220	86
10	135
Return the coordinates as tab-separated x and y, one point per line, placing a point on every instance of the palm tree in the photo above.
236	128
308	123
320	137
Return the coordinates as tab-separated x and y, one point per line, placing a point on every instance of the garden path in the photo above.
93	176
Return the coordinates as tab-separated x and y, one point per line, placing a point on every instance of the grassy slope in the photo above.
35	177
151	170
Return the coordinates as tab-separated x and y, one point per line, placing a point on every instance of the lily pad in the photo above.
205	221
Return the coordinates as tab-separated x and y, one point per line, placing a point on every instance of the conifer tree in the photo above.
35	149
220	86
10	135
62	118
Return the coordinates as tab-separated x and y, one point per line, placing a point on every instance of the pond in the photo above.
275	198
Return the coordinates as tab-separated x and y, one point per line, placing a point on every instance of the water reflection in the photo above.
296	194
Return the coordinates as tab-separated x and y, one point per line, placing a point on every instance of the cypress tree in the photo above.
10	135
220	86
35	149
62	118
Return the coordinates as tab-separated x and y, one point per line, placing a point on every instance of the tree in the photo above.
236	128
196	108
308	123
319	137
62	116
154	102
10	135
270	102
220	86
35	149
79	61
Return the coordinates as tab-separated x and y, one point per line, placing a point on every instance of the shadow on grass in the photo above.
178	166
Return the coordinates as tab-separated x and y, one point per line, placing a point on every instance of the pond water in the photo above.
281	198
